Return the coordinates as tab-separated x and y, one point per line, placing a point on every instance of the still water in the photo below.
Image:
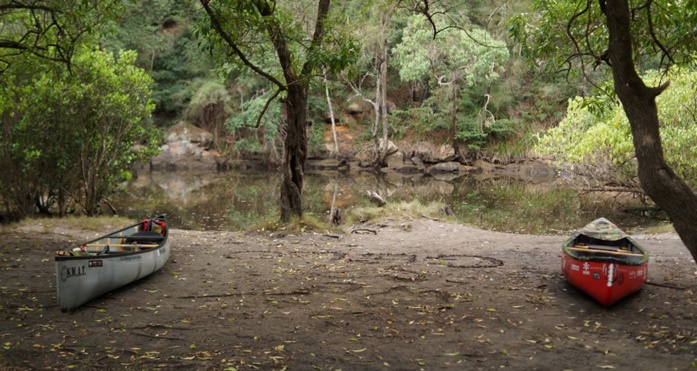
236	201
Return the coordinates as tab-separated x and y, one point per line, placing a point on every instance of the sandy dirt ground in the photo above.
404	295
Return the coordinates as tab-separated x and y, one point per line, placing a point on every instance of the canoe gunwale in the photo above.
119	254
602	256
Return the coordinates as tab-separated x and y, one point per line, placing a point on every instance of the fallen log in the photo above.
376	199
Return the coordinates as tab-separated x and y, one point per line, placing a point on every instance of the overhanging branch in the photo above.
215	21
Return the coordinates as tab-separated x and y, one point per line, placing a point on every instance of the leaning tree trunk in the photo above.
658	180
294	154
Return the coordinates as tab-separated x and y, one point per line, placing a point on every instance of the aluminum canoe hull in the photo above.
80	279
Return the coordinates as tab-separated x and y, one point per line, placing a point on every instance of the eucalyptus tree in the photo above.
375	29
49	29
627	36
454	60
244	30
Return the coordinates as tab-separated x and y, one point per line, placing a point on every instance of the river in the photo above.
240	200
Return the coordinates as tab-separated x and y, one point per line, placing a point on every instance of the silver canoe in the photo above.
111	261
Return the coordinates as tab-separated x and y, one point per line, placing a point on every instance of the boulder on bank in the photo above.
187	148
444	167
432	153
185	132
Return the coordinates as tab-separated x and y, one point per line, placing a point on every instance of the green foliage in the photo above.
468	58
660	21
600	141
209	94
250	135
597	137
421	120
160	31
209	108
50	30
456	64
71	135
515	143
244	23
468	132
315	138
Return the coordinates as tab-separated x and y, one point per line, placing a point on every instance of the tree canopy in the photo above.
50	29
67	137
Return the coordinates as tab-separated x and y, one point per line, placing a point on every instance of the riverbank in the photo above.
402	295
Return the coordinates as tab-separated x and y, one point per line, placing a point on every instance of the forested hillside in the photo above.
472	88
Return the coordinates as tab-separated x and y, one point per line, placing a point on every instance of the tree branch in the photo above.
266	106
236	50
322	11
652	32
424	8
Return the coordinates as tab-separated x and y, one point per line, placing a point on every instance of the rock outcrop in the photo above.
186	147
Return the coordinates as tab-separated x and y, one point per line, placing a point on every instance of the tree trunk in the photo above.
381	92
294	153
331	113
383	99
455	95
296	88
657	179
376	125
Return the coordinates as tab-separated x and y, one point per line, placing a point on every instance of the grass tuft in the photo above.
398	210
308	223
90	223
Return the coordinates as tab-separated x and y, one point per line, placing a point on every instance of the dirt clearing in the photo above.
405	295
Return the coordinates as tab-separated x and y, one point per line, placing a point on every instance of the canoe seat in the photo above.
144	237
604	247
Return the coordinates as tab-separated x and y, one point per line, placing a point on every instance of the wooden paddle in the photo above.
120	245
599	251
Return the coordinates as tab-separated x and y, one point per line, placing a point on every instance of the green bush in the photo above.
69	136
596	132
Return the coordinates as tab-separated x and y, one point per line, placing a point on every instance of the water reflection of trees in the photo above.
235	201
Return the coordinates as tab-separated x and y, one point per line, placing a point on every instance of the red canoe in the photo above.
604	262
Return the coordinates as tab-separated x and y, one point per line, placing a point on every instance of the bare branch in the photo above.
652	32
444	83
266	107
424	8
233	45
